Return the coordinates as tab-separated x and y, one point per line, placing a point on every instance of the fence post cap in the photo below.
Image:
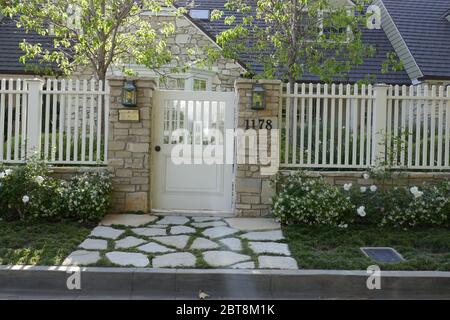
381	85
35	80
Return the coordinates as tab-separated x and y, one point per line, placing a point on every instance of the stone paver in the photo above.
172	260
270	247
204	219
170	220
203	244
159	226
244	265
153	247
223	258
219	232
94	244
106	232
264	235
253	224
82	258
181	230
272	262
149	232
128	220
128	259
178	242
234	244
166	240
208	224
128	242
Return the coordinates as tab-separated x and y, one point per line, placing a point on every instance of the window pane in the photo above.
199	85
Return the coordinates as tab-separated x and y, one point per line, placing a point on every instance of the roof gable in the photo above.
426	33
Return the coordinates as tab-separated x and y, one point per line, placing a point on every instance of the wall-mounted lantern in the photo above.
258	97
129	94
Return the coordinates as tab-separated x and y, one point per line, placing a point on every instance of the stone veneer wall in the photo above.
253	191
129	148
68	172
339	178
187	36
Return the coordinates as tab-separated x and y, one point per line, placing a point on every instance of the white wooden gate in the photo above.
195	121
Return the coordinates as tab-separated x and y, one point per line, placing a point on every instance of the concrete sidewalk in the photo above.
20	282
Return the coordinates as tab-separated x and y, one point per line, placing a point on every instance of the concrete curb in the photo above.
141	283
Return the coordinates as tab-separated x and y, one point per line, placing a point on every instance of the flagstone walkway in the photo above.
184	242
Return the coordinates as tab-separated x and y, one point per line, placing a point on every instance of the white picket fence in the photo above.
351	126
64	121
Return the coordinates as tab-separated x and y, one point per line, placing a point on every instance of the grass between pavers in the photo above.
332	248
40	243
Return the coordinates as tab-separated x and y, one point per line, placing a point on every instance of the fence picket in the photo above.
302	124
310	122
410	125
54	119
332	121
317	125
433	126
339	153
325	124
425	127
17	120
362	112
347	125
62	109
10	121
440	120
294	126
403	131
418	125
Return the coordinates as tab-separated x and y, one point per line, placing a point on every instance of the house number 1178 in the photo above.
258	124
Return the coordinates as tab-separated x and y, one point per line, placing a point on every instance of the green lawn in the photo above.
332	248
39	243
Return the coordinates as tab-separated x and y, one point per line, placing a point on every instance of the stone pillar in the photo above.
254	190
129	148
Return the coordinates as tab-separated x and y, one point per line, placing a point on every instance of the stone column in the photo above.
254	190
129	148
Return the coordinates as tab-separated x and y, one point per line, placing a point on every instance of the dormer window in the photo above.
199	14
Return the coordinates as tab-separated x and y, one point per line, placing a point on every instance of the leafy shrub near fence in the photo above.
313	201
310	201
28	192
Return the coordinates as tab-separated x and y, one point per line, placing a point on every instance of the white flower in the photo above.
39	180
373	188
2	175
361	211
416	193
343	226
363	189
25	199
8	172
347	186
366	176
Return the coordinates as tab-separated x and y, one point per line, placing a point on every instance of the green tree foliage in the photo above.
96	34
294	37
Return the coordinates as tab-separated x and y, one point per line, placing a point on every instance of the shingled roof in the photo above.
426	32
10	38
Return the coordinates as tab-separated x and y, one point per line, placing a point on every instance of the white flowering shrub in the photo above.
18	186
28	192
419	207
88	196
311	201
